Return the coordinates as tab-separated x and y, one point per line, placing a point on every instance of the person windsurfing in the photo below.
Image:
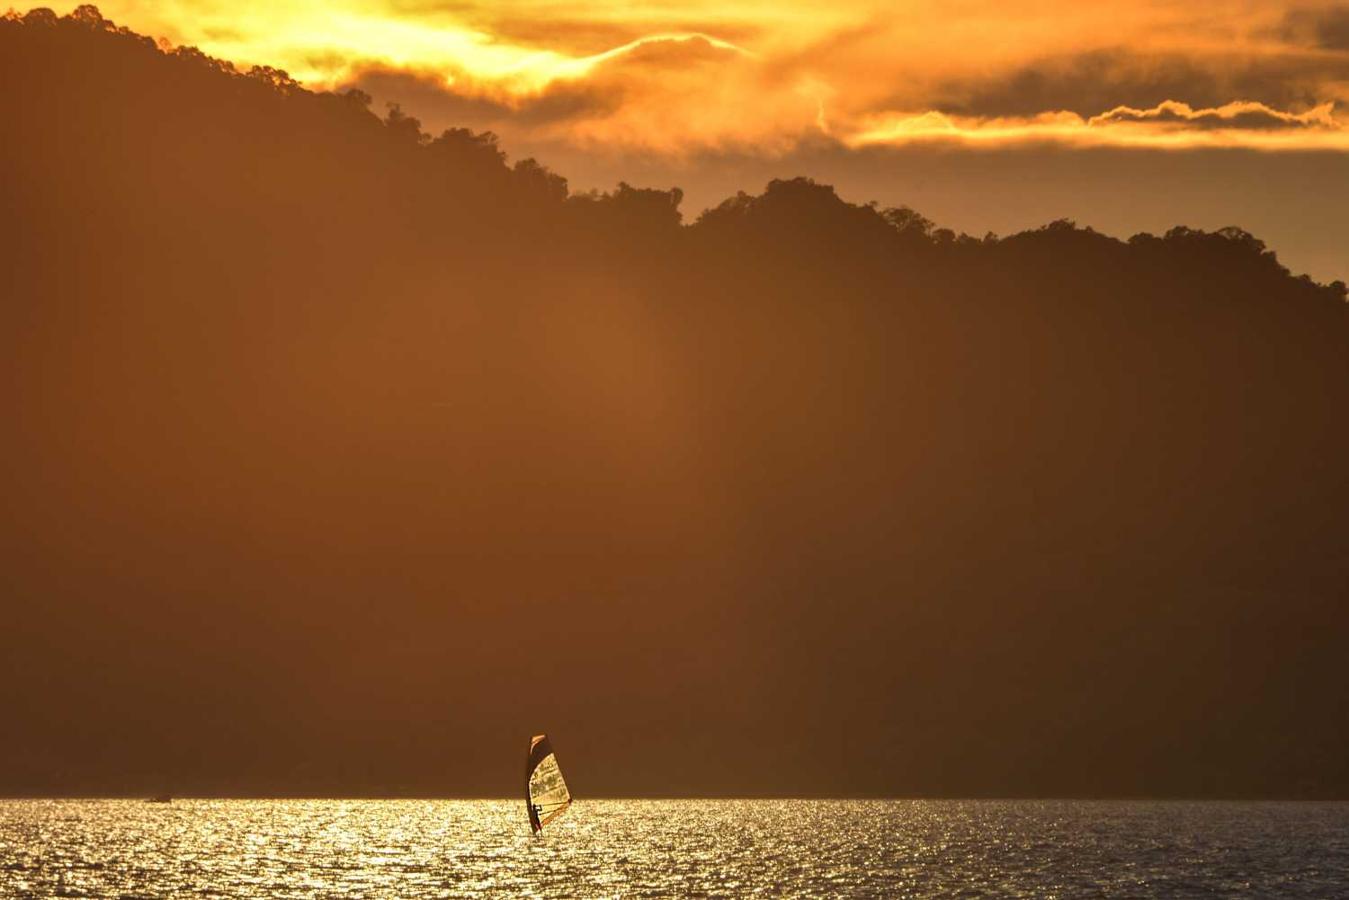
546	793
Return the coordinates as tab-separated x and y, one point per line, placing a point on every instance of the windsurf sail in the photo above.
546	794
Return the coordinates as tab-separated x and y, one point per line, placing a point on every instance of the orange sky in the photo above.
672	77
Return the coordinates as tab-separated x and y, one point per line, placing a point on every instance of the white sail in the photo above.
546	794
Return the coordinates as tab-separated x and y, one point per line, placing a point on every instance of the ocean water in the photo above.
628	848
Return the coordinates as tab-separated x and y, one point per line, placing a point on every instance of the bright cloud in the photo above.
683	76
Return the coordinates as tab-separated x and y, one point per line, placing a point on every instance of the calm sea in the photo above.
604	848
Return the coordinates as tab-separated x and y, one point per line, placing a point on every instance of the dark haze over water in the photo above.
418	848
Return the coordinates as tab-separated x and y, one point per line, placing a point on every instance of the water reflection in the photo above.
328	848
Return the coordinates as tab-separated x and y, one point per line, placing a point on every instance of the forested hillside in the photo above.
306	411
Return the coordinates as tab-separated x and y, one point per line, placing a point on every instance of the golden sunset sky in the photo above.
682	90
679	76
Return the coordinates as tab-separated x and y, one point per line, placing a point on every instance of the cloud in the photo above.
1086	83
670	94
683	77
1243	115
1170	125
1324	27
580	36
684	93
456	98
